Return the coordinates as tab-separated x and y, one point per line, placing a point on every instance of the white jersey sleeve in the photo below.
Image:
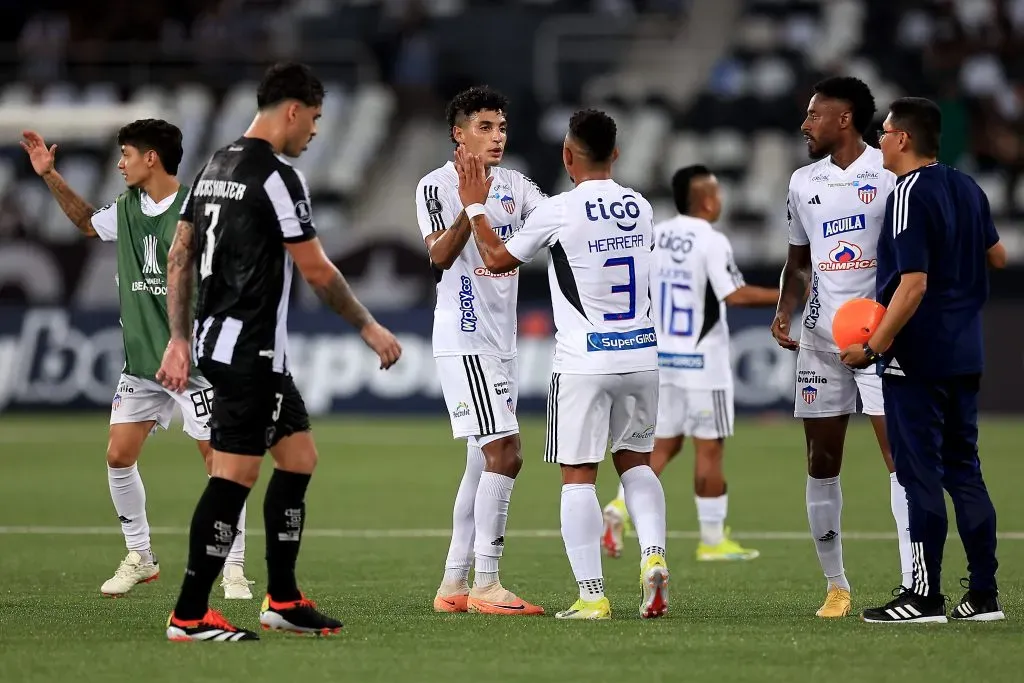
435	210
532	195
539	231
724	275
104	222
797	233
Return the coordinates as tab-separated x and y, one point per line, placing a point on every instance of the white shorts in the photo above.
141	400
698	413
481	393
827	388
586	413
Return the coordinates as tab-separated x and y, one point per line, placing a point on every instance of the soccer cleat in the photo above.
132	571
654	588
213	627
977	605
234	583
908	608
615	519
496	600
297	616
837	603
726	551
587	610
452	597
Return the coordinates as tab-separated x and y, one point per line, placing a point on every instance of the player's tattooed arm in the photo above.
492	250
338	296
71	203
445	246
180	277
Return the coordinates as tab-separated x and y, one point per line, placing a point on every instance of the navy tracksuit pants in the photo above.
933	429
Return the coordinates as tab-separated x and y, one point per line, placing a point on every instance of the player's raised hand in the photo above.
175	366
39	154
780	330
383	343
474	185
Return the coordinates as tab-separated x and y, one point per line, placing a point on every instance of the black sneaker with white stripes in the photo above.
908	608
212	628
978	605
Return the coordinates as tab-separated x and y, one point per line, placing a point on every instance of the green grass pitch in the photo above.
378	514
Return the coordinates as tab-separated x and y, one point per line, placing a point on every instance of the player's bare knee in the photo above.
579	474
241	469
627	460
824	462
120	456
503	455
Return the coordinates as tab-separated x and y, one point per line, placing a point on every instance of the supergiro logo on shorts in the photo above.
483	272
622	341
466	299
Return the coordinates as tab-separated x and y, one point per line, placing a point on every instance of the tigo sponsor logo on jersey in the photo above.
808	394
622	341
621	211
846	256
466	299
681	361
867	193
842	225
678	246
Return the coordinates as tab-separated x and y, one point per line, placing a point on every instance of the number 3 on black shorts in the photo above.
277	410
202	401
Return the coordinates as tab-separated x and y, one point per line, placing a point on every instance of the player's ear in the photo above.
459	135
615	155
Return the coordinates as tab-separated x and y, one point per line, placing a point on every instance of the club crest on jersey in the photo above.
839	226
509	203
808	394
867	193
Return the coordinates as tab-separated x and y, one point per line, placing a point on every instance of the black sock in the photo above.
284	515
214	525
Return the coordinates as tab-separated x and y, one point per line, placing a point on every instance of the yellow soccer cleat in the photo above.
588	610
654	588
616	519
837	603
726	551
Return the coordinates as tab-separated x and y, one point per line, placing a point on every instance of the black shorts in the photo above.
252	411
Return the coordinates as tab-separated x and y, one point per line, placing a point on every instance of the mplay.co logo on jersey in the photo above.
846	256
842	225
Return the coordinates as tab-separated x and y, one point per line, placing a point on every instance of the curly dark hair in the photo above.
154	135
595	131
289	81
473	100
854	92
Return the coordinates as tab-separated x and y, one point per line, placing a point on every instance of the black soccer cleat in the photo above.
978	605
213	627
908	608
297	616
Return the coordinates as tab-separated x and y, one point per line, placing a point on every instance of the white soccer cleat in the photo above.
234	583
132	571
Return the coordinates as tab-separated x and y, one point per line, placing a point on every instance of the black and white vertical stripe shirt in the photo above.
246	203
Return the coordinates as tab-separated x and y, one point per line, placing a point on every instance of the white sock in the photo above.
236	556
711	514
490	513
645	501
460	551
898	502
582	524
824	509
129	497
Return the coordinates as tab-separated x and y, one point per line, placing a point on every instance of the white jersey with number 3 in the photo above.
600	236
476	309
839	213
693	273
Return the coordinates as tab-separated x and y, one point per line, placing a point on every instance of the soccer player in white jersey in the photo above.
693	278
604	382
475	350
836	208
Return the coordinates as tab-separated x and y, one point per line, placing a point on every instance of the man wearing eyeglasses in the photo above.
934	250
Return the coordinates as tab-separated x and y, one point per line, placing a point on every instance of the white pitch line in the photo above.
445	533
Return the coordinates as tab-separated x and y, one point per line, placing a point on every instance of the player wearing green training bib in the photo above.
142	221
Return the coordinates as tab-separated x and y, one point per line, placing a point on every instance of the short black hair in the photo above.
154	135
922	119
682	180
473	100
854	92
595	131
289	81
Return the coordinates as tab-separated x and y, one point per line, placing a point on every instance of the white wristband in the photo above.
474	210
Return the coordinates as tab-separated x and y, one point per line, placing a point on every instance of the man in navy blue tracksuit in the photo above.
936	244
